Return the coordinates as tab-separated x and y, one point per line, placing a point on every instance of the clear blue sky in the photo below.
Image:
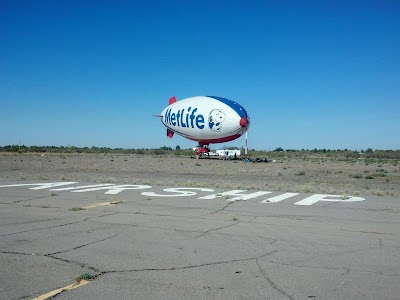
312	74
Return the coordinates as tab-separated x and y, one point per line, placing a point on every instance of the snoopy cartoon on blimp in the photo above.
215	119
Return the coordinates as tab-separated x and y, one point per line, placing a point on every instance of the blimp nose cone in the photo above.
244	122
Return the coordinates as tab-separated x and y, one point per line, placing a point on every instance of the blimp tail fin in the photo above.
172	100
170	133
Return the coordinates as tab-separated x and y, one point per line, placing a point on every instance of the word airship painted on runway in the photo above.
205	119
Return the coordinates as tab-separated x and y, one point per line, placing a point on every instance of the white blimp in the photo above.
205	119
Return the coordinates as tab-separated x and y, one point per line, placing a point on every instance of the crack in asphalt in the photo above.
101	273
84	245
198	217
30	199
186	267
33	221
339	254
51	255
300	219
257	260
74	262
326	229
369	232
195	231
138	270
60	225
215	229
223	208
271	283
41	228
166	215
347	270
251	221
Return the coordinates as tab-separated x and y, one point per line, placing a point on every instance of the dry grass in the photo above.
319	175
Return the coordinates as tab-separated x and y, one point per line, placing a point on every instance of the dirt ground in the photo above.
304	175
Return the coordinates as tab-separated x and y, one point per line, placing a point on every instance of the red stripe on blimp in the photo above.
220	140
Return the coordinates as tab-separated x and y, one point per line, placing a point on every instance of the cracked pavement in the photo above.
185	248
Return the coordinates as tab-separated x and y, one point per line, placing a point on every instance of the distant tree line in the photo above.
95	150
278	152
368	153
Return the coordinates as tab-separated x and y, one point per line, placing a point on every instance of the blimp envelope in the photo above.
206	119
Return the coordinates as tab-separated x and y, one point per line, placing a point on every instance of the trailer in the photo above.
227	154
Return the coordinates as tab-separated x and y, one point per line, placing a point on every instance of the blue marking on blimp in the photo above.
178	119
232	104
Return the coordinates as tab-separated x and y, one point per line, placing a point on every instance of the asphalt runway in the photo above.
153	242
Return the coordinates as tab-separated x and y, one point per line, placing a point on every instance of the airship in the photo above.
206	120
